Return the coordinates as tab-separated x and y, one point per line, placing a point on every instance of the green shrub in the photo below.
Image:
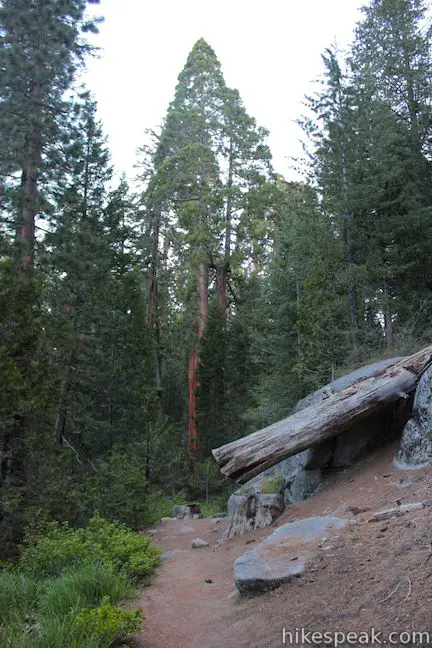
50	550
63	591
101	541
107	623
129	552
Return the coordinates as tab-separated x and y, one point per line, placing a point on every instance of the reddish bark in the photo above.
194	357
221	287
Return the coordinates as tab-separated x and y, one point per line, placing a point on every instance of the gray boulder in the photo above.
298	477
181	512
344	382
199	543
283	555
352	445
305	484
415	448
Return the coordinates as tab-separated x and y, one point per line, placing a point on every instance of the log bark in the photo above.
243	459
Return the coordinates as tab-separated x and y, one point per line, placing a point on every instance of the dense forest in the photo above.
143	325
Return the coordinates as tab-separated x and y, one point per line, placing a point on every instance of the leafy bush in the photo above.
51	549
110	543
127	551
106	622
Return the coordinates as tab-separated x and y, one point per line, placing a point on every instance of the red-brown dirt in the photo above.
369	575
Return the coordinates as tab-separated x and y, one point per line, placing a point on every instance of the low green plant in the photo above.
213	506
57	632
63	591
18	595
51	549
161	505
107	623
271	485
84	587
111	543
115	544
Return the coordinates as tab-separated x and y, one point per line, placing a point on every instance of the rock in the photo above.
397	511
233	596
305	484
299	476
351	445
321	456
181	512
415	448
198	543
282	556
166	519
340	384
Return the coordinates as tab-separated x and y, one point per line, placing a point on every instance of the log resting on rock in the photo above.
249	456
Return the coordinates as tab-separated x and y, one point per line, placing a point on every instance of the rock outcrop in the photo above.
299	476
283	555
415	449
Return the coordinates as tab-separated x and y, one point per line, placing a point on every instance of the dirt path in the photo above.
344	587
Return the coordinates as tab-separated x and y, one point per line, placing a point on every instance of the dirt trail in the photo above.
343	589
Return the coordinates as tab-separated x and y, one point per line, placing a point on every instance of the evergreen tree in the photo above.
210	182
41	50
392	78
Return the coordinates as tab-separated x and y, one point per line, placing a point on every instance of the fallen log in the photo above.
249	456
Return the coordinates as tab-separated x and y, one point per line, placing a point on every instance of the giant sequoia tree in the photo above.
210	182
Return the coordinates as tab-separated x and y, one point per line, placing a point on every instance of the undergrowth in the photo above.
64	590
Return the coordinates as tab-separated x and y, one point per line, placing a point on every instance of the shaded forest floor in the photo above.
370	575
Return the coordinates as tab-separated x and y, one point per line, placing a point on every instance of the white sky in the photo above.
269	50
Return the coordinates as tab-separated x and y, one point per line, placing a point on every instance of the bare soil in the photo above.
369	575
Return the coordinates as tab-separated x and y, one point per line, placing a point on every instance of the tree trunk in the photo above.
62	407
152	297
29	179
221	287
243	459
26	230
194	356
